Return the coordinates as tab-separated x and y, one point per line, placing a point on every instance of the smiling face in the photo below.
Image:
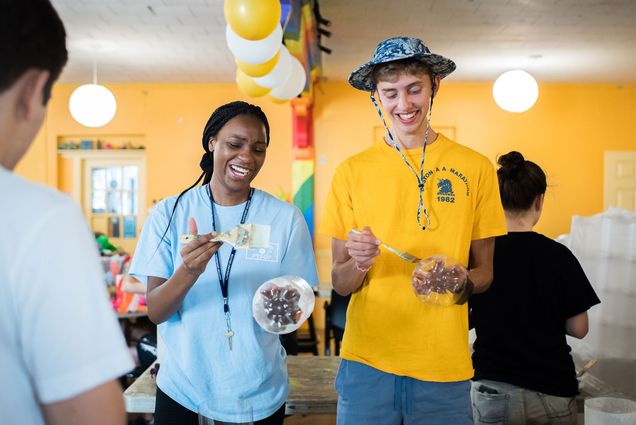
239	153
406	98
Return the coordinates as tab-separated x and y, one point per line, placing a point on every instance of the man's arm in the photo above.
480	263
102	405
352	259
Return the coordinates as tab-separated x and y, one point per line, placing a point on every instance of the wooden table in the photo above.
312	389
311	380
594	387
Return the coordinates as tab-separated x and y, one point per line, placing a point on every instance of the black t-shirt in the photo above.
520	319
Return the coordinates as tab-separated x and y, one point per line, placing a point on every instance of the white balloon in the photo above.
294	84
254	52
92	105
280	73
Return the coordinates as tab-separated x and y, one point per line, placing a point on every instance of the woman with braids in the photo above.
200	294
524	373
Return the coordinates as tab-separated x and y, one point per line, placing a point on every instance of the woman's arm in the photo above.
164	297
577	326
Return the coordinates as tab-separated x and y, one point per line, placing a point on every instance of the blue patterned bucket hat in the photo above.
398	48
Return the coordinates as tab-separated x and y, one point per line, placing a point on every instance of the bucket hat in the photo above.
398	48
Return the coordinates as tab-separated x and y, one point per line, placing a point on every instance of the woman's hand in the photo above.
198	252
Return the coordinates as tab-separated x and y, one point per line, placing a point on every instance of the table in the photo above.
311	379
594	387
312	389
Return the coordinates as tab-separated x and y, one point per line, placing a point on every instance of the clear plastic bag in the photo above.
282	304
440	280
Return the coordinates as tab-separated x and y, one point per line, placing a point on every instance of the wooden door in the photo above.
620	180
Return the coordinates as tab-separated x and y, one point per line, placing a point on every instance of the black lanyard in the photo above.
224	281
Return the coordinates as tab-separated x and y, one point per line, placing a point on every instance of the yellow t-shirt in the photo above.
387	327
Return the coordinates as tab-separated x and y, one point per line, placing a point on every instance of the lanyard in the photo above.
225	280
420	177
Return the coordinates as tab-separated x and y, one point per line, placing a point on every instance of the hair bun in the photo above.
511	163
512	158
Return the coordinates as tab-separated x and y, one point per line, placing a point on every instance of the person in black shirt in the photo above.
524	373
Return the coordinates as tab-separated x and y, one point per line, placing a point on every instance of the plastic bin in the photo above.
610	411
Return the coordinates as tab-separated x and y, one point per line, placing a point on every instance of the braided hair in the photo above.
520	181
215	123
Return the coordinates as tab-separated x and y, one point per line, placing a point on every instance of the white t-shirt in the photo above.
58	334
197	368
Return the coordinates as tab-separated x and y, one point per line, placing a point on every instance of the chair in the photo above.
335	319
302	340
307	338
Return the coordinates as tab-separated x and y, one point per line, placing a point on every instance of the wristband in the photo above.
361	269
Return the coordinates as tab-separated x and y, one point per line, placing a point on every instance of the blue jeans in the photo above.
369	396
499	403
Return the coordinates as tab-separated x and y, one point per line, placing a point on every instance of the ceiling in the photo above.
184	40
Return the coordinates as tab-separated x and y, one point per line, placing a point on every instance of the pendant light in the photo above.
92	105
515	91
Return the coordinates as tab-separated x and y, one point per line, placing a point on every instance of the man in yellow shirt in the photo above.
405	361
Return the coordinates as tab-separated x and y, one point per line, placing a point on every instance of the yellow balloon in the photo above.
248	86
252	19
277	100
258	69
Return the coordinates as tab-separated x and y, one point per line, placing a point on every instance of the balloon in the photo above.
294	84
259	69
254	52
278	101
252	19
248	86
280	73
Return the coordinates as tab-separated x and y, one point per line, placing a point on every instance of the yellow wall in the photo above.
171	117
566	133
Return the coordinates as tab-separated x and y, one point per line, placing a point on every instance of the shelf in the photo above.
100	153
100	142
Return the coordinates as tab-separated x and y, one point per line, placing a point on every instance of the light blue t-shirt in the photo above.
197	366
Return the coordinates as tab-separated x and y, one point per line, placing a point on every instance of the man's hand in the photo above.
363	248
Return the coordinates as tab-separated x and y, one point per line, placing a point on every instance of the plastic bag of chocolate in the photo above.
282	304
441	280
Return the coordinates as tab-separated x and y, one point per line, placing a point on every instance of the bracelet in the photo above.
361	269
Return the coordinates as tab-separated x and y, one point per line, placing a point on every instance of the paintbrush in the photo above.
240	237
587	367
402	254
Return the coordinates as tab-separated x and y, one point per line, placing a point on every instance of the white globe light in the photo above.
92	105
515	91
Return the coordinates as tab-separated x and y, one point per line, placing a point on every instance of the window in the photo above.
110	187
114	199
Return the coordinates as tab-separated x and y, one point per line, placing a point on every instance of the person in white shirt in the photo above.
61	349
